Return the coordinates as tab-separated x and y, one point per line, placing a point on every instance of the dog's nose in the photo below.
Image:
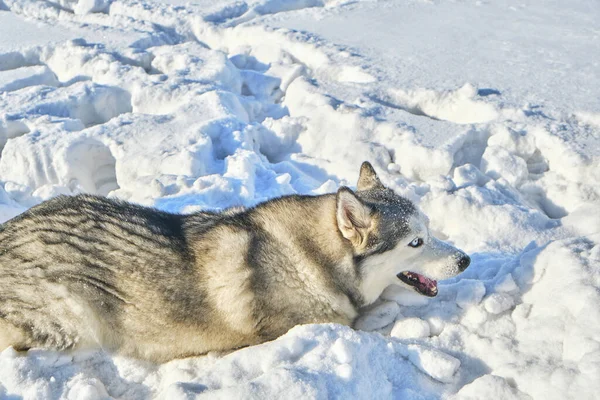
464	262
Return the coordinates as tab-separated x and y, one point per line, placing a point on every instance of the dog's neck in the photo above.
311	222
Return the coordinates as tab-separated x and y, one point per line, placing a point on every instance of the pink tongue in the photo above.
430	283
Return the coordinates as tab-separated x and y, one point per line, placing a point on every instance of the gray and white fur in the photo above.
88	271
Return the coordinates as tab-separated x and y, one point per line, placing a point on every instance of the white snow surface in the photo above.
485	114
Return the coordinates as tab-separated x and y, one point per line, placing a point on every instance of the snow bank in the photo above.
206	109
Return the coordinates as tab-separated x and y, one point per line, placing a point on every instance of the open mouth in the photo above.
422	284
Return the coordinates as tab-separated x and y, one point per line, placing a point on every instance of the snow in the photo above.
459	106
490	386
485	114
26	76
497	303
410	328
470	293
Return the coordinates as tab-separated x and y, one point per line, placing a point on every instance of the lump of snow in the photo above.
438	365
497	303
411	328
442	183
498	162
522	145
436	325
490	387
474	318
81	388
344	371
470	293
91	6
82	7
506	284
467	175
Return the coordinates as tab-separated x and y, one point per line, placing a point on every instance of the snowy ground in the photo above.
485	114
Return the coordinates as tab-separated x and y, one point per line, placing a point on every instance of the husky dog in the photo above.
86	271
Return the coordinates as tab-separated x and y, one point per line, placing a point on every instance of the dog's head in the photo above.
391	240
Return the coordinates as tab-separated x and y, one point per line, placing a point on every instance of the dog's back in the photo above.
76	271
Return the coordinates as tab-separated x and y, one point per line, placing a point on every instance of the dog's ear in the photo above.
353	216
368	178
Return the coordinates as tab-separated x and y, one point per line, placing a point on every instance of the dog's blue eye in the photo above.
416	243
